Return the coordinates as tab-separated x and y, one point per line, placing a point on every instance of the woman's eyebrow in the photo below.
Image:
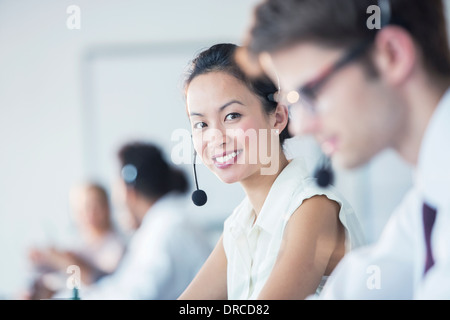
194	114
230	103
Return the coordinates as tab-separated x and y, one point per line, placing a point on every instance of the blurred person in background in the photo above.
98	252
166	250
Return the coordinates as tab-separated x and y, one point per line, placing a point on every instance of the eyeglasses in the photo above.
306	95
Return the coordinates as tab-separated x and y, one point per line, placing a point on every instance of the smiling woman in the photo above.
287	235
225	127
243	114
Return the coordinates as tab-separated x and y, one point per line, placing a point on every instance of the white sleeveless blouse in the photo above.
252	248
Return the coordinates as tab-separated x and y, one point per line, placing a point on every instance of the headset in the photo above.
324	172
199	197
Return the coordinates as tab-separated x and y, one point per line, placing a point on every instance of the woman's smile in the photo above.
226	159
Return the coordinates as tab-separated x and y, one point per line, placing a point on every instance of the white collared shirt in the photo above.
393	268
252	248
163	257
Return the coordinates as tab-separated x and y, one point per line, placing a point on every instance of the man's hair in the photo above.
279	24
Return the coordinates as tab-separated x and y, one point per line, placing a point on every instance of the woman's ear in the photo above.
281	117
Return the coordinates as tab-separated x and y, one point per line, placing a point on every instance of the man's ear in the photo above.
395	54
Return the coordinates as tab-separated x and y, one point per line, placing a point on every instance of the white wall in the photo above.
59	125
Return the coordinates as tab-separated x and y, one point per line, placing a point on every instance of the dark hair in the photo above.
153	177
279	24
221	57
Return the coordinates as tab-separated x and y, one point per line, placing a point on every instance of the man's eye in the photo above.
200	125
233	116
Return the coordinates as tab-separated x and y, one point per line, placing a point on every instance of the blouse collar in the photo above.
278	198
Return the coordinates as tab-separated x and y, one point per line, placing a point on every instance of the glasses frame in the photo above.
307	94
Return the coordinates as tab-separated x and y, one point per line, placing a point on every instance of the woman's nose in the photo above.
216	137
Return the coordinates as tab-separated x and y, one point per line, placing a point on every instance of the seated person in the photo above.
98	253
166	251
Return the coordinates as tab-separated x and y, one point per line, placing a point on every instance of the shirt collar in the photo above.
433	173
278	199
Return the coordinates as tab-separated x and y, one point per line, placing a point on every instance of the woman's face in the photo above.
92	212
231	132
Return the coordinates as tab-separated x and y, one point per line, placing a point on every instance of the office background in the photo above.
70	98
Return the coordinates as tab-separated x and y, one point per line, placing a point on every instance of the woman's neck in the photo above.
257	186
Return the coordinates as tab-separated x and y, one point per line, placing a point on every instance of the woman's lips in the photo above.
226	159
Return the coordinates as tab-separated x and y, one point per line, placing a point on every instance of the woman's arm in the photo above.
311	236
211	281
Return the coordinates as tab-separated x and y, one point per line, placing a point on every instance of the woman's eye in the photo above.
199	125
233	116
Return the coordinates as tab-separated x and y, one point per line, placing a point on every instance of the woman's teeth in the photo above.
228	157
